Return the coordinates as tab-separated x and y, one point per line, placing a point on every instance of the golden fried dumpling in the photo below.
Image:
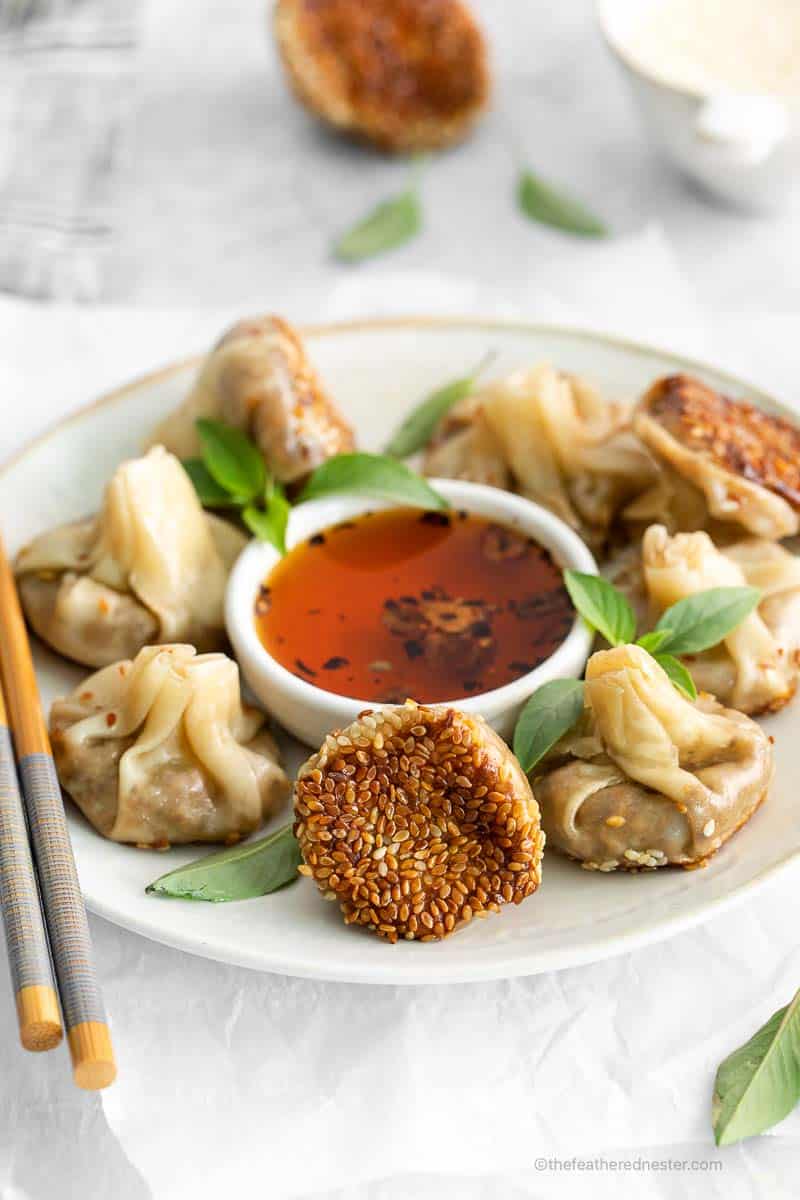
150	567
719	458
560	442
649	778
755	669
258	378
409	75
161	750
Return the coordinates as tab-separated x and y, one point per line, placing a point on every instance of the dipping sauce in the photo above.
400	604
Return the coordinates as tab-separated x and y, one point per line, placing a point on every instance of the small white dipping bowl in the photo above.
309	712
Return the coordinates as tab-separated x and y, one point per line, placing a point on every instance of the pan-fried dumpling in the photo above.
755	669
563	446
161	750
150	567
719	458
649	778
258	378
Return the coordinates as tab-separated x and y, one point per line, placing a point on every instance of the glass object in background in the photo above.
66	69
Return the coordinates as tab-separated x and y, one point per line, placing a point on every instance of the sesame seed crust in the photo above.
416	820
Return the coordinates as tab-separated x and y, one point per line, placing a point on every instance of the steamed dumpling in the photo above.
552	438
258	378
718	458
649	778
755	669
150	567
161	750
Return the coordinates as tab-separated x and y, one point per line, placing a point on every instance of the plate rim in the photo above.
423	972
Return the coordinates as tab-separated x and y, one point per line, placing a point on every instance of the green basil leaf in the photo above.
232	459
654	640
417	429
209	493
701	621
387	226
372	475
759	1084
601	606
549	206
238	873
678	674
269	523
551	712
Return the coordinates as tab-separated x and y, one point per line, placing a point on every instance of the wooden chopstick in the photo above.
39	1018
68	929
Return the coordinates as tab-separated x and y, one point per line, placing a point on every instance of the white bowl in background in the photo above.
744	149
308	711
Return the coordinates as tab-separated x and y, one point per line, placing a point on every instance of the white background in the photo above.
226	199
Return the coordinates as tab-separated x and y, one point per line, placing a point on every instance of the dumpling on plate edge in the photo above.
755	669
259	379
552	438
151	566
649	778
718	458
161	750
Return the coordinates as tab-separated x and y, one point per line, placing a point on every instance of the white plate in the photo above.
376	371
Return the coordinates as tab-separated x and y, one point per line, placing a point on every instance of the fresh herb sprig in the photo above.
694	624
548	205
232	474
390	224
238	873
417	429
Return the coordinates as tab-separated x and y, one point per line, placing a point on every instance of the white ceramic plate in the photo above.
377	371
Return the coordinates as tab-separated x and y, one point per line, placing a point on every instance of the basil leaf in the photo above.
601	606
232	459
551	712
549	206
678	674
417	429
238	873
759	1084
209	493
372	475
654	640
390	224
269	523
701	621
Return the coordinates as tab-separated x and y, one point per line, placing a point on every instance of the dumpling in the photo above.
562	444
464	447
649	778
719	458
150	567
161	750
755	669
258	378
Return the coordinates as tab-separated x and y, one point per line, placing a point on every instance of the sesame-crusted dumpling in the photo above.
259	379
417	819
755	668
649	778
150	567
161	750
718	458
560	443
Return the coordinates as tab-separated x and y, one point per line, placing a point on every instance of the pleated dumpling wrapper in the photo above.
755	668
259	379
161	750
649	778
150	567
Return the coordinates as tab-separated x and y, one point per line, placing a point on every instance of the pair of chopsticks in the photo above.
42	907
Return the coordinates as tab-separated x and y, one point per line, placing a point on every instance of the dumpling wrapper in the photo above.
650	778
259	379
755	668
151	566
561	443
161	750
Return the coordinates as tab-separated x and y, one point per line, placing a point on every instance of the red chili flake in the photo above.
301	666
333	664
111	719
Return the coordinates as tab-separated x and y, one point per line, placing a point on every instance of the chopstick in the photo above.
26	938
88	1035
